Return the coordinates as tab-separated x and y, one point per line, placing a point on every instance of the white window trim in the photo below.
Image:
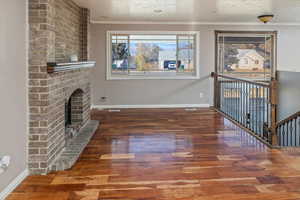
109	75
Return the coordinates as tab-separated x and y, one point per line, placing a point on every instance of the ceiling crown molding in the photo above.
198	23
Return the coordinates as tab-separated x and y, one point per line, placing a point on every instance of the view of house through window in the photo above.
246	55
153	55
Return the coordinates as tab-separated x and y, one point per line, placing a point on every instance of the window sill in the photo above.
152	78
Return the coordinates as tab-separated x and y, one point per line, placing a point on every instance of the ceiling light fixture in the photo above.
158	11
265	18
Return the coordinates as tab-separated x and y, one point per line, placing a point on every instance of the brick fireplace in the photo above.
59	102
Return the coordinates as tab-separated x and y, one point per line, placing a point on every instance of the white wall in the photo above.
289	50
288	75
150	92
13	103
155	92
289	93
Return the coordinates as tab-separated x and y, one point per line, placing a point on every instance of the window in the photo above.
248	55
152	55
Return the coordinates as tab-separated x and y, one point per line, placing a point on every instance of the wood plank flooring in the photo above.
170	154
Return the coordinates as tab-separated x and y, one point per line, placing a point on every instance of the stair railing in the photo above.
288	131
250	104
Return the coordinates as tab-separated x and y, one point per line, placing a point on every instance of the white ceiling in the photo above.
191	11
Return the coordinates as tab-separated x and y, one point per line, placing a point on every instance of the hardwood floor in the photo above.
168	154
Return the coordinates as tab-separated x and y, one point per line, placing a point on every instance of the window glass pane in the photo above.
152	54
153	37
120	54
246	56
186	54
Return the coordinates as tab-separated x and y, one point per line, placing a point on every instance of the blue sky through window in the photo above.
163	46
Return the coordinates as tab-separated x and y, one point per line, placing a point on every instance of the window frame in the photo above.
249	33
110	76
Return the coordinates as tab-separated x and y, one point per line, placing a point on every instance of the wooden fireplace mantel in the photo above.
53	67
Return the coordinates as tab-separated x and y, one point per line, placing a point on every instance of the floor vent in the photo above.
191	109
114	110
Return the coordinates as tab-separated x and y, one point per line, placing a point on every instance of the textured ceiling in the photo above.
201	11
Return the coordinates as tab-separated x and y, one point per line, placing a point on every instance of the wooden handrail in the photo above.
213	74
292	117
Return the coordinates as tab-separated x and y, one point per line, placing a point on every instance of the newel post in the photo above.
216	90
274	103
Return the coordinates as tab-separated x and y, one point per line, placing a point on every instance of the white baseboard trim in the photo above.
14	184
101	107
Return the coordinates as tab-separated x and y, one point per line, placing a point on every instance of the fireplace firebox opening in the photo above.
73	114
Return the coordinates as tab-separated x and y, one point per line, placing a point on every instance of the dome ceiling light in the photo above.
158	11
265	18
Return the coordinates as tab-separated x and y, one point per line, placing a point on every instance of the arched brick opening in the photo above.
74	114
76	107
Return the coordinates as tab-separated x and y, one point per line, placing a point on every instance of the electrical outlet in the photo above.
201	95
103	99
4	163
